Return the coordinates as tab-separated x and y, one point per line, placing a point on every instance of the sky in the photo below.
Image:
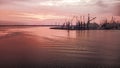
47	11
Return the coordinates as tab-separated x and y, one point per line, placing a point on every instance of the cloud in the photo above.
60	2
108	6
55	8
117	9
101	3
8	1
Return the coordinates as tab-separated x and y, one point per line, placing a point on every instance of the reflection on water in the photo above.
41	47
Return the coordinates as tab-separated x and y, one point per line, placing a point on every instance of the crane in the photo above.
89	20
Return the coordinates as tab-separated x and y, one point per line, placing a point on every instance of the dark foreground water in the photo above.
41	47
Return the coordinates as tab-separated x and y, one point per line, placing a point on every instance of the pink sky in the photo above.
47	11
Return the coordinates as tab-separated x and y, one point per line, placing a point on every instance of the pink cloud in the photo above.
49	9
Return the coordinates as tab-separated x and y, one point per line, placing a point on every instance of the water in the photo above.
41	47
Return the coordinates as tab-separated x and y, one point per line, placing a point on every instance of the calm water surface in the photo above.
41	47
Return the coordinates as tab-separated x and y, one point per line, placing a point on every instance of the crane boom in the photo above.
93	18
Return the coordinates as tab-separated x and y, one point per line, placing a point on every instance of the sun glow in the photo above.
70	1
60	2
87	1
41	17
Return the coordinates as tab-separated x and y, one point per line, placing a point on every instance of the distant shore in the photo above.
25	25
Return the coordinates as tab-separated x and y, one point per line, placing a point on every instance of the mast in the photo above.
88	22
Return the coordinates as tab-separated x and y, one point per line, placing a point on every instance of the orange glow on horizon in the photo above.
41	16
